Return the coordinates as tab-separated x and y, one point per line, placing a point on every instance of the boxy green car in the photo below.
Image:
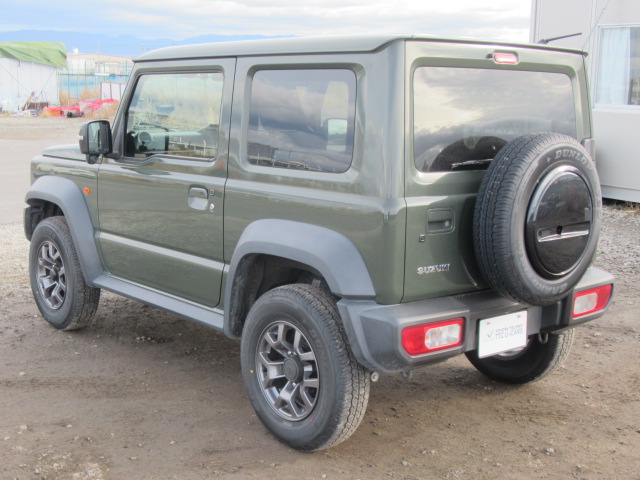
344	206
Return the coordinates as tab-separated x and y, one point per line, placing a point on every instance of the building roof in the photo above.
45	53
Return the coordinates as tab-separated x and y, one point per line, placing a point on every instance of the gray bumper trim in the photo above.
374	330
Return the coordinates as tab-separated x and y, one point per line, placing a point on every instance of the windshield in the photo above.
462	116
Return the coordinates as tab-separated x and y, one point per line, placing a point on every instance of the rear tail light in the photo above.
591	301
432	337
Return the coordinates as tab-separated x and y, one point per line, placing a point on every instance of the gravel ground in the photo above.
619	246
142	394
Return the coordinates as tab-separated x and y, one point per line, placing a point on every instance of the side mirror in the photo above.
95	139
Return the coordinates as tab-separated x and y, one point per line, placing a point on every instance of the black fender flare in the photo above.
330	253
67	195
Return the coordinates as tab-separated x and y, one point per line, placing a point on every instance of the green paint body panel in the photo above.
456	191
149	233
365	203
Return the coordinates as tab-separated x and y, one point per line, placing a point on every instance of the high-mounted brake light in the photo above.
432	337
506	58
591	301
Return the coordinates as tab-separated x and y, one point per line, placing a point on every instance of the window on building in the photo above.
302	119
618	78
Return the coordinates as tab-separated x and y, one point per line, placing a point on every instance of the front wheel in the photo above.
531	363
60	291
302	379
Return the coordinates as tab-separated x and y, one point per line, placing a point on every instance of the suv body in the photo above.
348	165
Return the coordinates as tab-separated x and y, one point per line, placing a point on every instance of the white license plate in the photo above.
503	333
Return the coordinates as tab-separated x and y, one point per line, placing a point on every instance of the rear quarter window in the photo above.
462	117
302	119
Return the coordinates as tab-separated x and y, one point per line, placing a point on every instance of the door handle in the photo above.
198	198
440	220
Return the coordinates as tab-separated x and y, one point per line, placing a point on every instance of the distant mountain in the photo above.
122	45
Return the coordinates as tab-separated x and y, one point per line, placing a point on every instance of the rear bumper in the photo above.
375	330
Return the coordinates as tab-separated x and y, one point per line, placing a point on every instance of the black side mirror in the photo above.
95	139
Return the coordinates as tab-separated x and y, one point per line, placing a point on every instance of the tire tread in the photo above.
352	380
493	213
533	365
354	376
84	298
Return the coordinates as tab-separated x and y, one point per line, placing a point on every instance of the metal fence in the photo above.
78	86
84	78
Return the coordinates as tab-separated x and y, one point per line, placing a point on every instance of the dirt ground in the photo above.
141	394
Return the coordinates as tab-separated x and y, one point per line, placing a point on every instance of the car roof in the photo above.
307	45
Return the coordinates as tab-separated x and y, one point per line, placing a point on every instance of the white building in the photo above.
98	64
610	32
28	73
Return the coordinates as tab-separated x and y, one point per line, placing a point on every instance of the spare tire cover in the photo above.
537	218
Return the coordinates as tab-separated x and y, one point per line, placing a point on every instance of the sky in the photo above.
503	20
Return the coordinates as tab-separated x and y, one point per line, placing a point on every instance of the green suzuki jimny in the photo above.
343	206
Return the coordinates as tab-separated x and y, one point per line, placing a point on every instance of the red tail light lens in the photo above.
591	301
506	58
432	337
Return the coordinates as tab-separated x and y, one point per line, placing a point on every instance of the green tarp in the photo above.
46	53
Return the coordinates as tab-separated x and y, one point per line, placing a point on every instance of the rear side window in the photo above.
462	117
302	119
175	114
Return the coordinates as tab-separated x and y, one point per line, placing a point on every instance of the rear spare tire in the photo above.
537	218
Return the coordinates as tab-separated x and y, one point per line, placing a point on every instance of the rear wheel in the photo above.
60	291
302	379
541	356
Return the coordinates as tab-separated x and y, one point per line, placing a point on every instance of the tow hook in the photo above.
543	338
375	376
